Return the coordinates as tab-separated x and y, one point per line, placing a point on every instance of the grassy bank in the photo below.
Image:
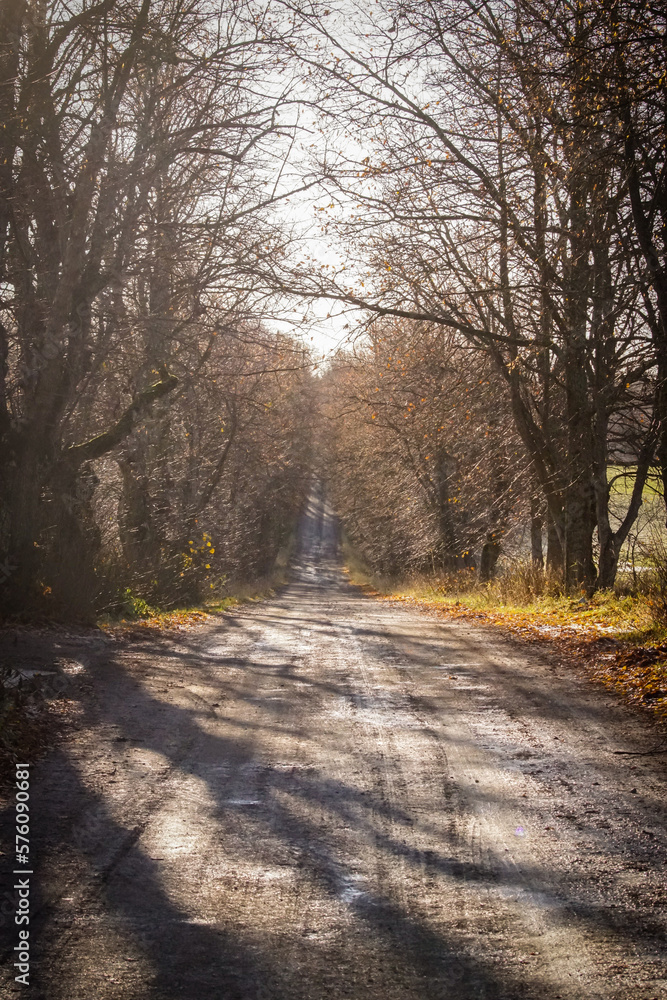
138	618
618	639
148	619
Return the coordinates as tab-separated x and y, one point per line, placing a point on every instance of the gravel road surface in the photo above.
326	796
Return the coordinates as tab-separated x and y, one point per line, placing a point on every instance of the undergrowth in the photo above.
136	616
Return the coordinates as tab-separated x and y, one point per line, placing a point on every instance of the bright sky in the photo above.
327	324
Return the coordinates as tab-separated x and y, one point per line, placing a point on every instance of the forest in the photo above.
416	250
333	499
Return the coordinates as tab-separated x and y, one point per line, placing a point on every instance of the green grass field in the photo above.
623	477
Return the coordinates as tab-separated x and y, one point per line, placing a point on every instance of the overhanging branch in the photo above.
105	442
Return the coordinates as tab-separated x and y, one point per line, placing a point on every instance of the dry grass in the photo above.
155	621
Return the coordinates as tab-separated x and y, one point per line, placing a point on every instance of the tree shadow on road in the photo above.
380	945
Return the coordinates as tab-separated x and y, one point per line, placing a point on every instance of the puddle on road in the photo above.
457	666
349	891
471	687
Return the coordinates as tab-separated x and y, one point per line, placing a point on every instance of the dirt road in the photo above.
325	796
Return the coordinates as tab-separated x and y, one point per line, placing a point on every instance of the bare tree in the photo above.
425	468
472	188
210	488
143	147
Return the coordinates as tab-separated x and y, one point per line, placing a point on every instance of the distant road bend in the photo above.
326	796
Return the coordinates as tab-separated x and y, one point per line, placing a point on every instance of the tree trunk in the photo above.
578	494
536	524
73	554
24	535
579	521
661	408
138	534
490	554
554	548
